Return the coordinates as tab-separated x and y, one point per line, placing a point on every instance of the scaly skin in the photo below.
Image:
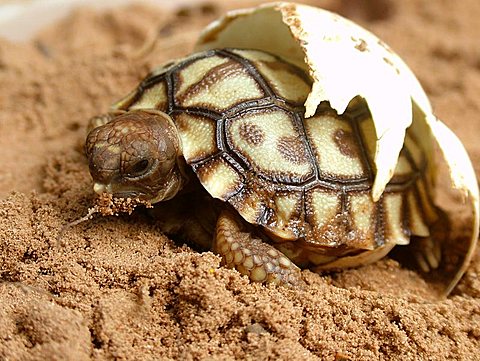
251	256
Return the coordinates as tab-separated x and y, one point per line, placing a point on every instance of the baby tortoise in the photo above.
219	142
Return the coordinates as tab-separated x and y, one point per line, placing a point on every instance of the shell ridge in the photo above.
299	123
170	93
379	232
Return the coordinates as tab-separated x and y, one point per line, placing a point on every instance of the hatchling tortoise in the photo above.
219	142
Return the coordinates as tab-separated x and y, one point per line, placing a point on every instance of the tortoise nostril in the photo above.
138	168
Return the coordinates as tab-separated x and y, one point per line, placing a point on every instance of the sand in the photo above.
117	288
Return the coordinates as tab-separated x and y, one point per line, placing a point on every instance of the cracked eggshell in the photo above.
345	61
463	178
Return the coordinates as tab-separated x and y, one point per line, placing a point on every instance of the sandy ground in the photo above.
116	288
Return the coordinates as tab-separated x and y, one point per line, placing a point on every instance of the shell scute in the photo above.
154	97
216	83
364	216
284	79
396	231
270	144
288	206
194	71
336	148
198	136
219	177
321	208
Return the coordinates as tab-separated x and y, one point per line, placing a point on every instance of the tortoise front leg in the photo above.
427	249
251	256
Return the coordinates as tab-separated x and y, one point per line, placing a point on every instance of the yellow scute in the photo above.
362	208
194	72
285	207
197	135
324	206
153	98
271	144
393	219
283	79
322	131
220	88
219	178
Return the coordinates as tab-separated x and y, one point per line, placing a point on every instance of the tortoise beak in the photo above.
118	191
100	188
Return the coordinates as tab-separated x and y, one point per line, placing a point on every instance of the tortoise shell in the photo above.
240	118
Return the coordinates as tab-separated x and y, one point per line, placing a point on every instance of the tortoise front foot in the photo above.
251	256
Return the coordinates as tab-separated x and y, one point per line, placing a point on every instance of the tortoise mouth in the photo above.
100	188
151	196
118	192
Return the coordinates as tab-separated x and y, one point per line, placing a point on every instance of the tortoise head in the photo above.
136	155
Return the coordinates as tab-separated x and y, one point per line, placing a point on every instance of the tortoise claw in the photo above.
251	256
428	254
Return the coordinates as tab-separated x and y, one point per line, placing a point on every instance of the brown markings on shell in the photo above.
340	235
288	68
292	150
207	170
346	143
311	232
213	76
252	134
249	200
277	171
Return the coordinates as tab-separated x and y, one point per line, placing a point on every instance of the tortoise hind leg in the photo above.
427	248
251	256
427	253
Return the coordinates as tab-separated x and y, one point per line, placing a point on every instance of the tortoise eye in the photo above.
138	168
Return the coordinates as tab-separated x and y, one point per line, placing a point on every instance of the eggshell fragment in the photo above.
462	177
